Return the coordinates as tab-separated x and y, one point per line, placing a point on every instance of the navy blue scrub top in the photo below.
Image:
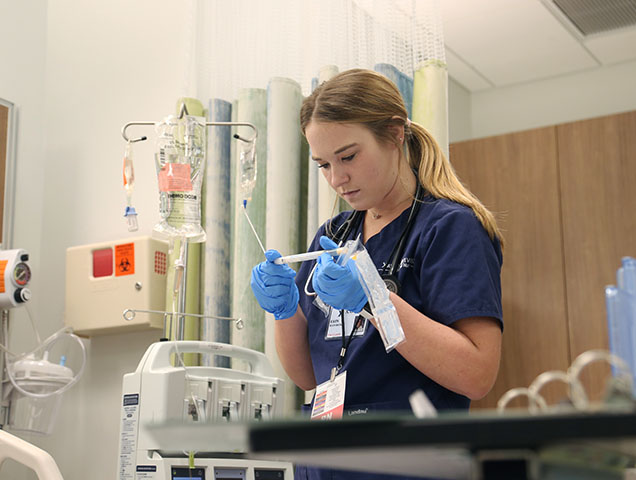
449	270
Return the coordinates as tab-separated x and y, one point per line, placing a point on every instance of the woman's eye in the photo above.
349	157
323	165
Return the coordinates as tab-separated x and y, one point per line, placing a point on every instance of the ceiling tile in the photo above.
613	48
464	74
511	42
454	10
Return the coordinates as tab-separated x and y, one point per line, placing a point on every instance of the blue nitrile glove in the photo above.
338	285
274	287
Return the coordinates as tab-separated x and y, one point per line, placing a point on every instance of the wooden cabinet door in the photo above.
516	177
597	164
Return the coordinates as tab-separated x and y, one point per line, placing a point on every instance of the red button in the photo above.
103	262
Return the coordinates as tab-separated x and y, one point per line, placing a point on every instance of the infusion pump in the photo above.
163	391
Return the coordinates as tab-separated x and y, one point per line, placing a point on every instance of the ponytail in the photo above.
437	176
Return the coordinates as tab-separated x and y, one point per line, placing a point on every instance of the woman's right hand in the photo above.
274	287
337	285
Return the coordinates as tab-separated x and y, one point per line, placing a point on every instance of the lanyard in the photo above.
345	343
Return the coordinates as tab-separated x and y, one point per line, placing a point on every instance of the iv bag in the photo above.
180	163
247	162
130	214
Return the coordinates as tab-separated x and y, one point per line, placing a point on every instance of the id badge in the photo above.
330	395
334	328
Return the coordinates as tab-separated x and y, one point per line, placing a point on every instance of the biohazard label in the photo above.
175	177
3	267
124	259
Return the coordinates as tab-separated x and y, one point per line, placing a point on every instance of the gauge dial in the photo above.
21	274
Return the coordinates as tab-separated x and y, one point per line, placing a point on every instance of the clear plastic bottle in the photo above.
627	275
619	326
620	302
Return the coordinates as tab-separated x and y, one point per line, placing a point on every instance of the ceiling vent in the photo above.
592	17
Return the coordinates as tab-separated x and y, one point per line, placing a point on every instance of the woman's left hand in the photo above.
338	285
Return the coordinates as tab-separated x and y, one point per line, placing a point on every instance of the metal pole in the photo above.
4	326
181	302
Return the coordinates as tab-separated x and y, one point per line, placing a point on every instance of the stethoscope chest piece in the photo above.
392	283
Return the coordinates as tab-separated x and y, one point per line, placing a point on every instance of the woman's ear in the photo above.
397	132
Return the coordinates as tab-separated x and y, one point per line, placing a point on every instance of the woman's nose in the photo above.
339	176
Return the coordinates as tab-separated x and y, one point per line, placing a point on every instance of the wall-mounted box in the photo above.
104	279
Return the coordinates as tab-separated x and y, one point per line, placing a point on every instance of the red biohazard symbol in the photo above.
125	259
124	265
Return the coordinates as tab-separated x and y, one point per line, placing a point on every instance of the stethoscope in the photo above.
389	273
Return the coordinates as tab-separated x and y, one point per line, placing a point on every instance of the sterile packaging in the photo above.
382	308
180	163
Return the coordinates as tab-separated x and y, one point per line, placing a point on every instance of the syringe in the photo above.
303	257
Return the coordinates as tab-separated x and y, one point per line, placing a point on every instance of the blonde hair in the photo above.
367	98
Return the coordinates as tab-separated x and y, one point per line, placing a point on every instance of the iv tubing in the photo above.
51	339
35	330
188	377
252	226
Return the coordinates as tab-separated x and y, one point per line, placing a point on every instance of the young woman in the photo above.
426	233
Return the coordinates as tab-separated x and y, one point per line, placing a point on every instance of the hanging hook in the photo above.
133	140
208	124
237	124
183	110
238	137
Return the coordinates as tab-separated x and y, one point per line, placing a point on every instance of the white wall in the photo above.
115	62
459	112
22	82
588	94
78	71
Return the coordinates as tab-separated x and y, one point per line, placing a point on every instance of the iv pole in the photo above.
184	111
181	264
4	327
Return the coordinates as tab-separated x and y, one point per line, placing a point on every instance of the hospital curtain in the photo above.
254	62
